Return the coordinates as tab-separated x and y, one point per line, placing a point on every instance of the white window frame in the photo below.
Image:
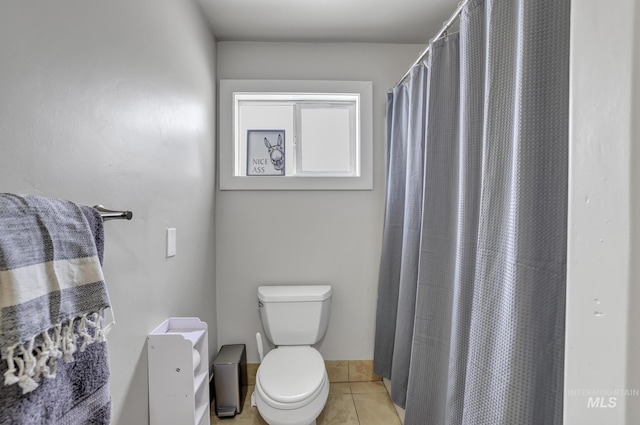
352	106
300	94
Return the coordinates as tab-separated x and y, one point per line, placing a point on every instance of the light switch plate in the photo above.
171	242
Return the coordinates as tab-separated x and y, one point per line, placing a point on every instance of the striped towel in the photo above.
52	290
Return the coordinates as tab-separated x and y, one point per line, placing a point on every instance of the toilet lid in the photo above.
291	374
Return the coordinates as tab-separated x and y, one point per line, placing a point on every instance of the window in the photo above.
295	135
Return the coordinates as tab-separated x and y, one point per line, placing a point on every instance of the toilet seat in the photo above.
291	377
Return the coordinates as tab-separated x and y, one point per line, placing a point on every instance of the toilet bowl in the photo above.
291	386
291	383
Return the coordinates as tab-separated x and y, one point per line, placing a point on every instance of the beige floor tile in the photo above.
252	368
375	409
368	405
257	420
338	370
244	418
367	387
339	388
339	410
362	370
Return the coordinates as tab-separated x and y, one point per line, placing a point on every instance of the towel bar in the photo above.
112	214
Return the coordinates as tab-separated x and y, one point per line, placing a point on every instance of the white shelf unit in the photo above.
178	391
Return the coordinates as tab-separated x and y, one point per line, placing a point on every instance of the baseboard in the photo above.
338	371
399	410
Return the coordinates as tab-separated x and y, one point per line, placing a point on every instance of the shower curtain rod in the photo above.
444	29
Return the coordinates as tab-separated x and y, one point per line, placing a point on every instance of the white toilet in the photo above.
291	383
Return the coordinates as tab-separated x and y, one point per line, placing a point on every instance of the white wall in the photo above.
604	201
113	102
271	237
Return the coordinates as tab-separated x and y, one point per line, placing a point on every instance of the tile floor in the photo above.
349	403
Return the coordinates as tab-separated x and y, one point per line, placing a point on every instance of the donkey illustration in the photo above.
276	153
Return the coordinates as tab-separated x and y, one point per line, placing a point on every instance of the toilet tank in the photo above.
294	314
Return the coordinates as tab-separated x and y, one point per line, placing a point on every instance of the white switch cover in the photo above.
171	242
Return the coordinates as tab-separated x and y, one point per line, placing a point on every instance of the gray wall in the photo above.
113	102
633	366
271	237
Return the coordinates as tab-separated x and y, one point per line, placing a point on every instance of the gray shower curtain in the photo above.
406	108
470	325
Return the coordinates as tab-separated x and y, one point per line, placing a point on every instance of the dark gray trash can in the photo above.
230	379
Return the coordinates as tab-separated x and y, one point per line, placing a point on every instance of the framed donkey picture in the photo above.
265	153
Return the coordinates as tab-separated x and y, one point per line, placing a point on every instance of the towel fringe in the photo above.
10	377
27	362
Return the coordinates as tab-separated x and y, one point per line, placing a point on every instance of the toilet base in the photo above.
270	423
274	416
312	423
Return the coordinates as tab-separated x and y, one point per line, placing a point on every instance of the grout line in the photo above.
353	400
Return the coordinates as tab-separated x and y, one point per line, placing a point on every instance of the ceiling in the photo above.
375	21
